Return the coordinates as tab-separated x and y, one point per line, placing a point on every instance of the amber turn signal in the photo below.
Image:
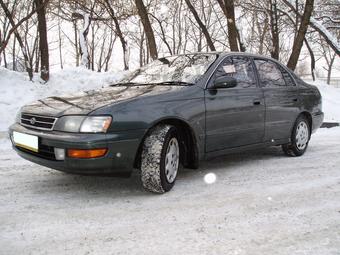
92	153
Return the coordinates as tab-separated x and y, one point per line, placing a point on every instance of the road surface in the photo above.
261	203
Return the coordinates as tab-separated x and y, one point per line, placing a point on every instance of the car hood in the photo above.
85	102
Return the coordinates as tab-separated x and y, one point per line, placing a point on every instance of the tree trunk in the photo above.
92	47
228	9
312	59
201	25
232	30
83	44
240	40
14	54
36	52
329	71
37	61
297	18
147	28
5	60
263	33
100	60
60	45
298	41
141	49
109	52
43	44
76	41
83	41
275	51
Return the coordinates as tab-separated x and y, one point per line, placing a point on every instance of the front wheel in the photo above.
160	159
299	139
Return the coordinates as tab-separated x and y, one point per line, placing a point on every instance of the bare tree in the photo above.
147	28
83	37
17	35
298	41
322	30
201	25
5	39
329	56
163	34
119	33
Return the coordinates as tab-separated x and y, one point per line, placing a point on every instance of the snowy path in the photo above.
261	203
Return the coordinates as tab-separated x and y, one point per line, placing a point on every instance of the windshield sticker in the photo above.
229	69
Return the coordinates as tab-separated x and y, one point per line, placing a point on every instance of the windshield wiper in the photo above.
128	84
171	83
178	83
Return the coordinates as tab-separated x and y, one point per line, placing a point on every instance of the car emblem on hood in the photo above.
32	121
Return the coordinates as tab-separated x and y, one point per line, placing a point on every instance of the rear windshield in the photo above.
183	69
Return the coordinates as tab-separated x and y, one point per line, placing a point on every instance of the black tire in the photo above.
153	159
296	148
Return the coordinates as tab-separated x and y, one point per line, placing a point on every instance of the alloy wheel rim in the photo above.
172	160
302	135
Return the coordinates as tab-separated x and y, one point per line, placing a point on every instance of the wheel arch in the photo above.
188	142
309	118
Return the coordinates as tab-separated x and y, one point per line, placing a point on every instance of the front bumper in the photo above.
122	149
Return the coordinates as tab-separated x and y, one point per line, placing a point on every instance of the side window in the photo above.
239	68
269	74
288	77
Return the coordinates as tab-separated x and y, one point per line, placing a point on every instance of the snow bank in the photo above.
16	90
330	101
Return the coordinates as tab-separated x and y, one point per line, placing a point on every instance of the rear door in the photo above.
281	99
234	116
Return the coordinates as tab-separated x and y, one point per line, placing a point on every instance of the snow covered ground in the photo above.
261	203
330	101
16	90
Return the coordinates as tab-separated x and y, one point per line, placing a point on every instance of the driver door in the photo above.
234	116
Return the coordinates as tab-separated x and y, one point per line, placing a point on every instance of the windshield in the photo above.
183	69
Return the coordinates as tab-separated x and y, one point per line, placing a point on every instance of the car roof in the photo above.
246	54
225	53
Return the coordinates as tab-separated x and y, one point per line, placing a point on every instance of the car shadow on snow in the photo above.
106	186
246	157
234	161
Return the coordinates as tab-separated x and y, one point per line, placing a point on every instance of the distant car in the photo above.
176	110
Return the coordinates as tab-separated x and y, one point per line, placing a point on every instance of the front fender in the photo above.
186	105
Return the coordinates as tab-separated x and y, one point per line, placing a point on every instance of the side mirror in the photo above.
225	82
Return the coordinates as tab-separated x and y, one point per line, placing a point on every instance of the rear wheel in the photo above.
299	139
160	159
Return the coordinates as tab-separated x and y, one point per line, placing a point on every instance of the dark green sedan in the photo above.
175	111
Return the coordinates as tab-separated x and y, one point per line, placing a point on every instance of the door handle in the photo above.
257	102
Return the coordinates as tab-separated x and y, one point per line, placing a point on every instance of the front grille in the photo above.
37	122
45	152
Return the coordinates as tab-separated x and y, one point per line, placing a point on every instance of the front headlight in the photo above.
83	124
69	123
96	124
